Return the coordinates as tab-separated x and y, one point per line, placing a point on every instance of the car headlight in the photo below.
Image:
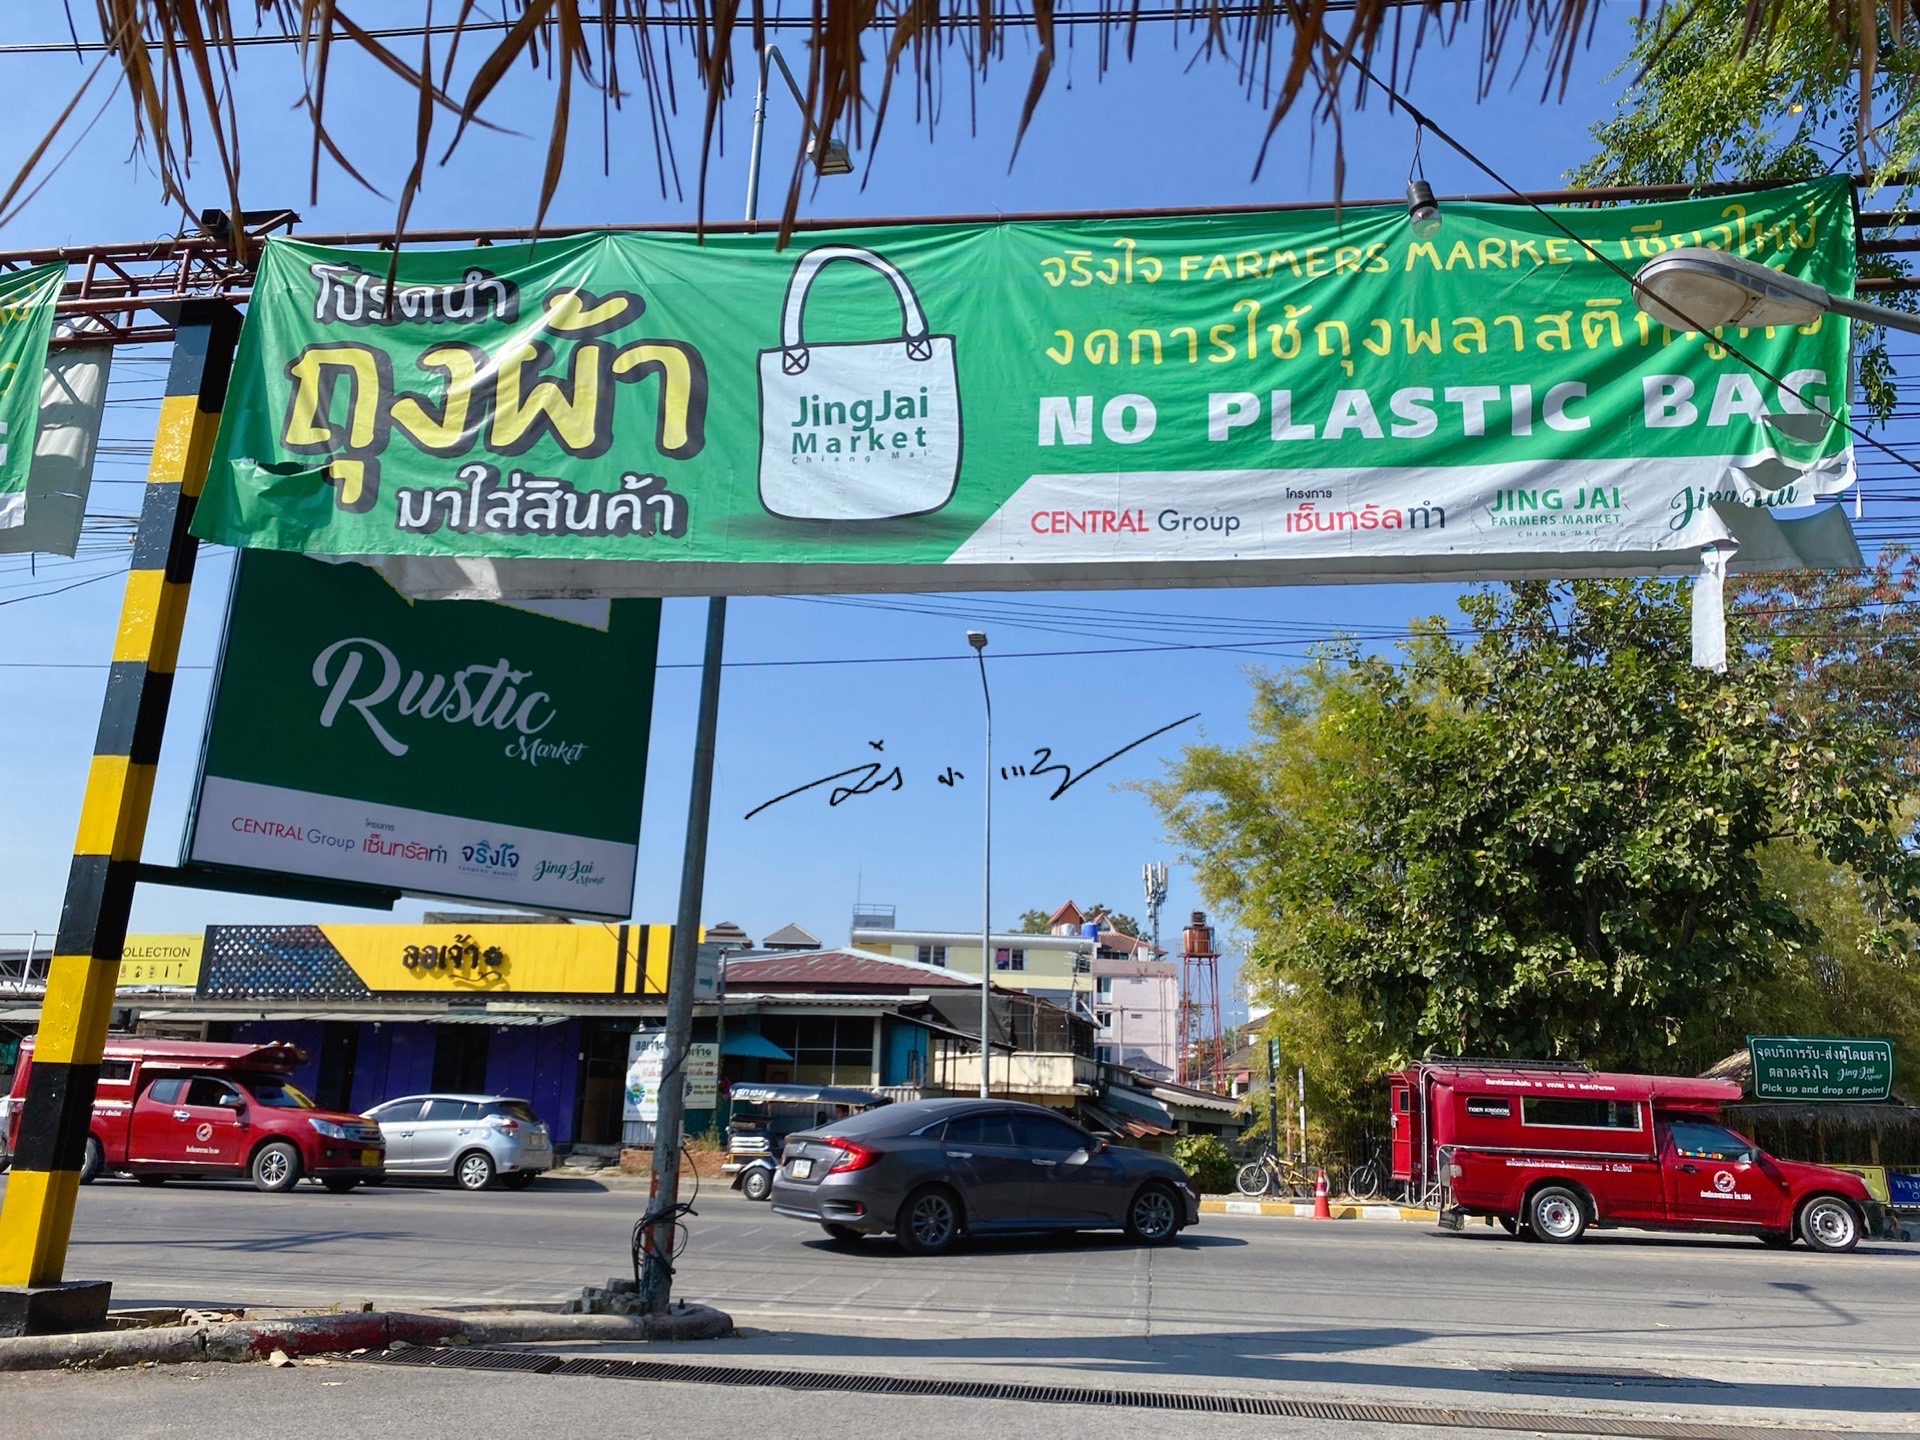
329	1129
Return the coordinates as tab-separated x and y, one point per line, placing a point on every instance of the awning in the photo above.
1125	1126
1132	1105
498	1017
752	1045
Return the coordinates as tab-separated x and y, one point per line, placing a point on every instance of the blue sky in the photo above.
1081	673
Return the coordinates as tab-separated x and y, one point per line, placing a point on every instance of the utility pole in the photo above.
37	1219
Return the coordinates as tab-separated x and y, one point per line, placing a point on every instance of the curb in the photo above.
250	1340
1303	1210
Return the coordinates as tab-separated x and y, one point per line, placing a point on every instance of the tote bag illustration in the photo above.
857	430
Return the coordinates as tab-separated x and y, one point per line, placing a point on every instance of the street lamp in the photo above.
978	640
1694	288
829	154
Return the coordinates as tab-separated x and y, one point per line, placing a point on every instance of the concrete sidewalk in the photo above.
1303	1209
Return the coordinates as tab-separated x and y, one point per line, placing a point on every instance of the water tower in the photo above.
1203	1059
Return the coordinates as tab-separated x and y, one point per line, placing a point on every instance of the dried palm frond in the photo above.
176	59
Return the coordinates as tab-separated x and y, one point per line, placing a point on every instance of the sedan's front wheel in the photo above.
1154	1216
929	1222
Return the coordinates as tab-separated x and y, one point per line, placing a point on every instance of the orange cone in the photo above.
1320	1210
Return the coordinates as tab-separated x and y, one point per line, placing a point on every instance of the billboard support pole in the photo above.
37	1219
663	1195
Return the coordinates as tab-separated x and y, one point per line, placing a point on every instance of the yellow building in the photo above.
1053	967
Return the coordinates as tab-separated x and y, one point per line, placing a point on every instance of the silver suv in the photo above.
472	1138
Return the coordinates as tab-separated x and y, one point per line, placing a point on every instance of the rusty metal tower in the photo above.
1202	1057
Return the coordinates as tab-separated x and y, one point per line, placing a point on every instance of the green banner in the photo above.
1789	1067
26	324
484	752
1248	397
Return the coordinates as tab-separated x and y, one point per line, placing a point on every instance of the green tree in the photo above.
1715	98
1032	922
1544	841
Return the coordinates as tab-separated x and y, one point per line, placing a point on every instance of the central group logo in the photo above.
205	1132
1724	1181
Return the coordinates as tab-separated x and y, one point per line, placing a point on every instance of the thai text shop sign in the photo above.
355	962
1254	397
1788	1067
484	752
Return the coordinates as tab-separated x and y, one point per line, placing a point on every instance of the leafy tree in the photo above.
1544	841
1715	98
1032	922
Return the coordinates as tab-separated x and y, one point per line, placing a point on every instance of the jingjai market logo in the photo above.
365	676
857	430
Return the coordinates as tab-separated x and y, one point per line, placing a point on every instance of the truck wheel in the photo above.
276	1168
93	1161
1829	1223
756	1185
1558	1214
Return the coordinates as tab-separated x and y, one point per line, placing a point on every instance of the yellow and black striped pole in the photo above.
52	1141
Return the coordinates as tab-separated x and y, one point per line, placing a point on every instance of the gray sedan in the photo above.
931	1171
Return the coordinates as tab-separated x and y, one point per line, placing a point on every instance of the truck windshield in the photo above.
278	1093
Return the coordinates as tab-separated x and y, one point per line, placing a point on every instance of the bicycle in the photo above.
1274	1174
1367	1178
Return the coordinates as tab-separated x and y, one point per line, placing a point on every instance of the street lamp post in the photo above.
656	1275
1694	288
978	640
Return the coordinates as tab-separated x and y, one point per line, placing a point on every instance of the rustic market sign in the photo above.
1787	1067
1249	398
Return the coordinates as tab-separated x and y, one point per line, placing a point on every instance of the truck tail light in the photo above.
852	1156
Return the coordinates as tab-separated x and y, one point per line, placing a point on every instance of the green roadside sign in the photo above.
1816	1068
448	748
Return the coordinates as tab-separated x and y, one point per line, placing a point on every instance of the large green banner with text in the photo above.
1257	396
26	324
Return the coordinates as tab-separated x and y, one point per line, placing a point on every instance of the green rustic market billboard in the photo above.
473	751
1248	397
1804	1068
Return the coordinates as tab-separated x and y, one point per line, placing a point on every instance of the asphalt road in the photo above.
1708	1329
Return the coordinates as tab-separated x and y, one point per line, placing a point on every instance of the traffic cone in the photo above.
1320	1210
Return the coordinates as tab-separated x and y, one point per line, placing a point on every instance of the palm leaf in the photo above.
176	58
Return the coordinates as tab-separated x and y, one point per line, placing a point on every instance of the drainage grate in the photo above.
1536	1422
461	1358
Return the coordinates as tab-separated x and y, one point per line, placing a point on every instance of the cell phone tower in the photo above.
1203	1059
1153	878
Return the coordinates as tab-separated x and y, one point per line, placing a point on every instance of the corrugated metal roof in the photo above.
844	971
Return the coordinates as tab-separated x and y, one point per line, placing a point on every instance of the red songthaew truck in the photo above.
1551	1149
165	1109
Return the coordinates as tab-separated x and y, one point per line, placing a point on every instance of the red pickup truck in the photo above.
181	1109
1549	1150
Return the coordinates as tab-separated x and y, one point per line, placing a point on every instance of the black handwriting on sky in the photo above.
874	776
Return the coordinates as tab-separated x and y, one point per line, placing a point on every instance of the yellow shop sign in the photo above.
160	962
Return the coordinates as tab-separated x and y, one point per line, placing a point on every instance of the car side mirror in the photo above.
232	1102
